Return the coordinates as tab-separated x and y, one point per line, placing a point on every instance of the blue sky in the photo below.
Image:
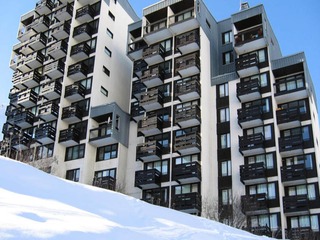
295	23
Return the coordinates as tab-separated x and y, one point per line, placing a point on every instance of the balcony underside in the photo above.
291	152
102	141
36	44
189	71
57	53
184	26
189	48
69	143
153	59
289	124
250	96
151	106
51	95
253	70
157	36
152	81
187	122
250	46
251	123
45	140
61	34
292	96
192	149
48	117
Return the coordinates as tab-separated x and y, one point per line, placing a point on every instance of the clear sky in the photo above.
295	23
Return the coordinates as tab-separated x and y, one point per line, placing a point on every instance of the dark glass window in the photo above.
75	152
107	152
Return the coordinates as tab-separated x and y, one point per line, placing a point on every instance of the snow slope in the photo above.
36	205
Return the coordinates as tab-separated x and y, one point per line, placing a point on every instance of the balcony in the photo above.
37	42
138	88
83	2
249	90
188	143
48	112
152	77
291	145
260	231
289	118
25	47
21	66
296	205
251	144
25	33
188	202
250	117
149	151
78	71
14	61
74	92
54	70
301	233
187	65
254	204
72	114
254	173
51	90
82	33
85	14
41	24
156	31
137	112
21	141
187	116
58	50
148	179
44	7
69	137
61	31
102	136
24	119
139	67
107	182
153	54
188	42
27	98
34	60
183	21
283	94
187	89
30	79
151	100
187	173
13	96
248	65
293	175
135	49
80	52
250	40
64	13
45	135
150	126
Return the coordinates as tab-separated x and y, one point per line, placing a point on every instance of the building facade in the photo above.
200	115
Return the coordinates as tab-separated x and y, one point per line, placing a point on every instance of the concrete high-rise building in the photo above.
179	110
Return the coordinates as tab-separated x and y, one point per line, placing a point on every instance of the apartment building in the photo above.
178	110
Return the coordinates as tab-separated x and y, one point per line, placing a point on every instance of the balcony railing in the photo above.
61	30
51	90
80	51
48	112
107	182
151	100
69	137
153	77
147	179
72	114
31	79
248	65
294	174
187	65
58	49
250	116
254	173
34	60
291	145
296	204
188	42
248	35
260	230
135	49
102	135
187	173
54	70
85	13
82	32
24	119
300	233
188	202
187	116
41	24
45	135
188	89
290	117
153	54
150	125
251	144
27	98
37	42
78	71
21	141
155	26
64	13
75	92
44	6
183	21
149	151
254	204
249	90
188	143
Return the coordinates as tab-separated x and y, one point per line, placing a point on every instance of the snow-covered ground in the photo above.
36	205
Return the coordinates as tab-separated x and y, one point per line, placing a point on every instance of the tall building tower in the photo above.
70	75
220	119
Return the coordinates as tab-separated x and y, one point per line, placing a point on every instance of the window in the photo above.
291	83
81	127
106	71
188	188
223	90
107	152
44	151
265	130
267	159
225	141
227	57
305	221
308	190
226	168
226	37
161	166
307	160
208	24
73	175
269	189
117	122
112	16
105	173
266	220
87	83
107	51
187	159
224	115
75	152
84	105
263	78
109	33
226	196
104	91
263	104
167	45
304	132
